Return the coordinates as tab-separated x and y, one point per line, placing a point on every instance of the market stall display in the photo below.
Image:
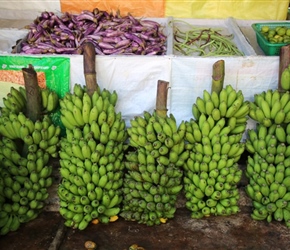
117	160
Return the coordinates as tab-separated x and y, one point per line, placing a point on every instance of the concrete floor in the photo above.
239	231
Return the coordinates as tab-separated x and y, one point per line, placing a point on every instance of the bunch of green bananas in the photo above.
15	101
23	190
24	180
25	150
91	157
42	134
268	172
285	78
211	173
154	169
270	107
228	104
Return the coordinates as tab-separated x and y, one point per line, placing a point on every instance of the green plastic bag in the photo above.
52	73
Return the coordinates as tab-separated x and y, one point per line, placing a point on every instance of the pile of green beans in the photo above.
203	41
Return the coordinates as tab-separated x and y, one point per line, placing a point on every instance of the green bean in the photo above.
203	41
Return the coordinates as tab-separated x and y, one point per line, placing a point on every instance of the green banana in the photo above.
68	119
280	133
200	105
275	109
278	214
285	79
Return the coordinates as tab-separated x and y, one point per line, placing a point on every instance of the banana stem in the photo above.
161	99
33	107
33	98
89	56
283	64
218	76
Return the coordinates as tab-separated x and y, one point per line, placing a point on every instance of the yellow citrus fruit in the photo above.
272	32
277	28
281	31
265	29
280	39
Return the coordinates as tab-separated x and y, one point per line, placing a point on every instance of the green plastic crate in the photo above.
270	49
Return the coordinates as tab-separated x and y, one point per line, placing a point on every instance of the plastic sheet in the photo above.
26	9
243	9
8	38
133	77
143	8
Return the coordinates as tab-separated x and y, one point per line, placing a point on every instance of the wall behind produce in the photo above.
242	9
135	86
